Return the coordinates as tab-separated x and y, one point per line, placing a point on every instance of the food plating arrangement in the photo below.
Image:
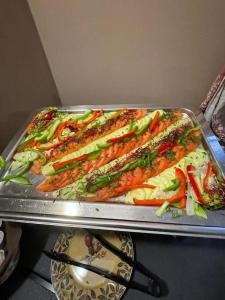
154	158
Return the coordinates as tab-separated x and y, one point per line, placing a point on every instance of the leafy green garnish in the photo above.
22	169
169	154
167	115
17	179
2	162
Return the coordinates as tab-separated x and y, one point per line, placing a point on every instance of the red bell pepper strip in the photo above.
154	121
206	178
59	165
158	202
149	202
60	130
119	138
31	144
96	114
182	202
68	123
126	188
164	147
58	133
190	170
45	148
180	195
62	127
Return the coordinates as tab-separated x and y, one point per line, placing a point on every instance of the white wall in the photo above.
104	51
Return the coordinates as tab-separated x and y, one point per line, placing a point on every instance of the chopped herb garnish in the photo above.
170	154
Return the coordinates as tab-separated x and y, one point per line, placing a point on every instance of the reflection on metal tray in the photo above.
24	204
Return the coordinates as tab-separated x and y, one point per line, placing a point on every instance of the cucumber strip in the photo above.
162	209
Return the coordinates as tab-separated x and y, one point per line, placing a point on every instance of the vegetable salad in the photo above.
151	158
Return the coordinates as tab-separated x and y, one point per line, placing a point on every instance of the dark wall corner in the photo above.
26	82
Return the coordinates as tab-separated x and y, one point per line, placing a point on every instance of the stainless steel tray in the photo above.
20	204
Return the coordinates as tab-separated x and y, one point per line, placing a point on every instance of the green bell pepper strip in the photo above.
140	162
65	168
91	156
48	133
42	137
132	126
85	115
130	166
104	180
2	162
174	186
103	146
94	154
141	130
53	128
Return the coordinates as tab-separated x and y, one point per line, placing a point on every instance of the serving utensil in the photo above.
152	289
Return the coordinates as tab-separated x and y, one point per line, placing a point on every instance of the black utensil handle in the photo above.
154	280
62	257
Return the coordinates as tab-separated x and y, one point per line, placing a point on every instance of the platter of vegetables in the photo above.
152	158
